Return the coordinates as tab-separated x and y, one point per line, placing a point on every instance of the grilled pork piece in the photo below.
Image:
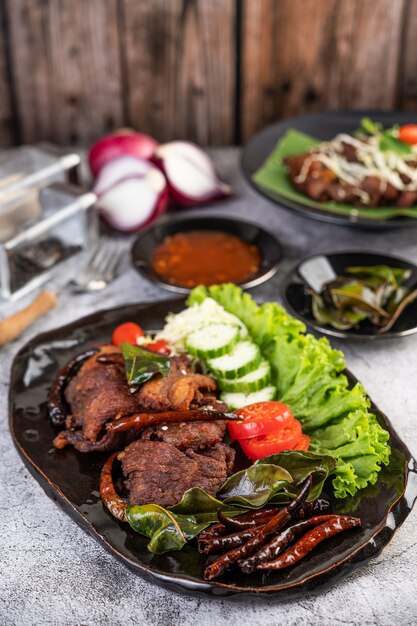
99	393
191	435
354	170
158	473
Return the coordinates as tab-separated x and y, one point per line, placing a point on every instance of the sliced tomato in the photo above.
303	444
260	418
128	332
161	346
283	439
408	133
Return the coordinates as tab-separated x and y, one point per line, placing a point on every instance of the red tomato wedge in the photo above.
408	134
161	346
282	439
303	444
128	332
261	418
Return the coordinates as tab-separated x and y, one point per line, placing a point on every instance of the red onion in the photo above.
190	173
131	193
123	142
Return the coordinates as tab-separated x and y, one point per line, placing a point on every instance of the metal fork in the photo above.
101	268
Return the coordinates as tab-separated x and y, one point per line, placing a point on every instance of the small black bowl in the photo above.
298	300
253	234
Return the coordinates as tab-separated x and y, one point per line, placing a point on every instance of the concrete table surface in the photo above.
52	572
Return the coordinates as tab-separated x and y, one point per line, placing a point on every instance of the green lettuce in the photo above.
309	377
276	479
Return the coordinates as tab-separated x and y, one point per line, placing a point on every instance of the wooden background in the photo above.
213	71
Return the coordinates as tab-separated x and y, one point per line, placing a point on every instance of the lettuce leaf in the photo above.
275	479
309	377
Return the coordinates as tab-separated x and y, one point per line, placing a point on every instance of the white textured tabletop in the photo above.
52	572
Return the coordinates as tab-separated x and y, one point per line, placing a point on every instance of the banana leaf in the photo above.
272	177
268	480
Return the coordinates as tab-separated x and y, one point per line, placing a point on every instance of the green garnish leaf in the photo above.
388	143
141	365
369	127
268	480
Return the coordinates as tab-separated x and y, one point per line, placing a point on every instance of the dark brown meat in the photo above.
159	473
194	435
322	184
177	391
223	453
99	393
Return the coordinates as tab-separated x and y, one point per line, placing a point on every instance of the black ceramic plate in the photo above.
297	299
72	479
324	126
253	234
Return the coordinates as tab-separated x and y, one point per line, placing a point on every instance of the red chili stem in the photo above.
277	522
310	541
111	499
141	420
274	547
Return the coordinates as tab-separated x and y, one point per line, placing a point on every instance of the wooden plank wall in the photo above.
212	71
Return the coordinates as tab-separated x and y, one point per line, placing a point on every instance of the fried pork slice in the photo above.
178	390
158	473
99	392
191	435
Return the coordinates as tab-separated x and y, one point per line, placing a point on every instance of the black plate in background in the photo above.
298	300
325	126
72	479
145	243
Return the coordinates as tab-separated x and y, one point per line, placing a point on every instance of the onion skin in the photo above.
121	143
194	157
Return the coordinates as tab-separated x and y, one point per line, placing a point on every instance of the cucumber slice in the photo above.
212	340
244	358
254	381
239	400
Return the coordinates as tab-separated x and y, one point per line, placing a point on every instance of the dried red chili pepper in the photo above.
111	499
279	520
140	420
310	540
274	547
246	520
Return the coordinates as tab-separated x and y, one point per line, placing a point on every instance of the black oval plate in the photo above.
298	301
72	479
325	126
253	234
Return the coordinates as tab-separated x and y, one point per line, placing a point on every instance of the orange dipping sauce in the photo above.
205	257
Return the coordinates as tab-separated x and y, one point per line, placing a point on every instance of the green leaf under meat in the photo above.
309	377
141	365
266	481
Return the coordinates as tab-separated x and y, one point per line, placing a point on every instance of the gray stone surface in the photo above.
51	572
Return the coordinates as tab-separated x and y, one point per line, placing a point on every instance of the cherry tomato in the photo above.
408	133
303	443
161	346
128	332
260	418
283	439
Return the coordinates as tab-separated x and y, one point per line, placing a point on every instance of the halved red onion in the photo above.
123	142
190	173
131	193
